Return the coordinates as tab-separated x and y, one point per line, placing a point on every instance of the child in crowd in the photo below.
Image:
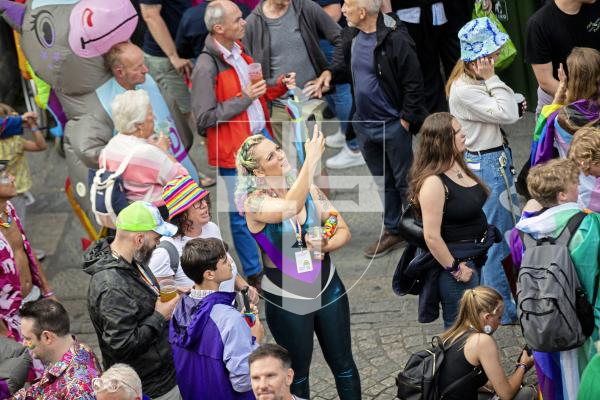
211	340
12	149
554	188
585	152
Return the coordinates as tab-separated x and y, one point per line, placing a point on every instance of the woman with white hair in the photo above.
150	165
119	382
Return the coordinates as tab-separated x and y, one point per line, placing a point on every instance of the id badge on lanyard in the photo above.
303	258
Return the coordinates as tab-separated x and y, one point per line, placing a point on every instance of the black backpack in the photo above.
419	379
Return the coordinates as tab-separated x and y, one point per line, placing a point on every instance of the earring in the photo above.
487	329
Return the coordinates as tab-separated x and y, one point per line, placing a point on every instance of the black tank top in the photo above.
456	366
463	216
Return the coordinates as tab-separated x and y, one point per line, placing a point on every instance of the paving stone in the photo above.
384	327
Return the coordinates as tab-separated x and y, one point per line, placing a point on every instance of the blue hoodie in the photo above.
211	343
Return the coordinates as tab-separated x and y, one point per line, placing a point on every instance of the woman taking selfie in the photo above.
469	344
302	289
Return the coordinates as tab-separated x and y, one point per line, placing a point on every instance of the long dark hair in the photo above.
436	154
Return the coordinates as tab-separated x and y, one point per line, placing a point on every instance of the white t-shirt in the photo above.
160	264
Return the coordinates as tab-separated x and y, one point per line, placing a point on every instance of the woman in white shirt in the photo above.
189	210
481	102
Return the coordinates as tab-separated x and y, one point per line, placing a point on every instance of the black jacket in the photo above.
418	271
313	22
396	64
130	331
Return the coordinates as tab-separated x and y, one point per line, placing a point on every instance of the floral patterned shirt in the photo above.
69	378
10	285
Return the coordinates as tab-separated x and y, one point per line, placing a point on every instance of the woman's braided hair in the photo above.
246	162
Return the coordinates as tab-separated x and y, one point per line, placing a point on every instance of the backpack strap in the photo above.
563	238
572	225
173	254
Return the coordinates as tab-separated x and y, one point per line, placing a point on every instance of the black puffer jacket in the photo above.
121	307
397	66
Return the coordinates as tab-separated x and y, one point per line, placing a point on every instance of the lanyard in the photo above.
146	278
297	230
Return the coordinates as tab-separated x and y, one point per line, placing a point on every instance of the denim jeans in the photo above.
340	101
497	211
451	292
387	149
244	243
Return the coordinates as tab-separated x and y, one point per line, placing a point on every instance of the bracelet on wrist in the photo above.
48	294
525	367
34	129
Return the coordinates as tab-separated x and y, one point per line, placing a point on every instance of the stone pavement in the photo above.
385	330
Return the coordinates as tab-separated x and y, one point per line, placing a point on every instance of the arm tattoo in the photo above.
323	200
255	203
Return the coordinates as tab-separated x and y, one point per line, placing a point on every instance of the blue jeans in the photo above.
451	292
244	243
387	150
340	101
497	211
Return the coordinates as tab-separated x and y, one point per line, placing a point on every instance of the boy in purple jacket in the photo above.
210	339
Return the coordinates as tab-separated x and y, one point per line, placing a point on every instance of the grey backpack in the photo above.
173	254
551	304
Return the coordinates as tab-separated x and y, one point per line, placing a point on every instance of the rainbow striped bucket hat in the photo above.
180	193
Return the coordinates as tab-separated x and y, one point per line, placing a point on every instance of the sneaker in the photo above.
345	158
386	243
336	141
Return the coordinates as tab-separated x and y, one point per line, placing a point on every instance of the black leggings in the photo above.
332	326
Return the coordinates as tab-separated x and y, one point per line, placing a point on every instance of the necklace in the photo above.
458	173
9	219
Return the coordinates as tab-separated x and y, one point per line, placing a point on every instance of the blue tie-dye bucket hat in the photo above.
479	38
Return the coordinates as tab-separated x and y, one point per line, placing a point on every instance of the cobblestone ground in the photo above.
384	327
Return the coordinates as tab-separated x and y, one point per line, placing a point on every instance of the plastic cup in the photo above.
255	72
315	234
520	99
168	290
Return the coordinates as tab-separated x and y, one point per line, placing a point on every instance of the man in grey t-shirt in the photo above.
283	36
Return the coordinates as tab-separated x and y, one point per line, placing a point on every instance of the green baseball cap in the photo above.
141	216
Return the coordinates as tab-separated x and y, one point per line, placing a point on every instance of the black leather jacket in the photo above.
130	331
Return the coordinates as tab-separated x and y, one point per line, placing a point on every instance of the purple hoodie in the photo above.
211	343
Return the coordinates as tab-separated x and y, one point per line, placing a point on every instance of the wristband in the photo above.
48	294
525	367
34	129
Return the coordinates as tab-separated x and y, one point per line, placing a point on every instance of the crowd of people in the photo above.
176	318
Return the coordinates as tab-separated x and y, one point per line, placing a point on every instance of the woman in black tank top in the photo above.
470	347
450	199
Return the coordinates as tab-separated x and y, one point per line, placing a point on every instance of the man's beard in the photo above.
144	253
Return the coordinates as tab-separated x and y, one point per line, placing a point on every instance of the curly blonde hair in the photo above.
546	181
585	148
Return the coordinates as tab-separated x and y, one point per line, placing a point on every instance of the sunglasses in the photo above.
109	385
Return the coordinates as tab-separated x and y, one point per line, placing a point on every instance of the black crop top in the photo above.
463	212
